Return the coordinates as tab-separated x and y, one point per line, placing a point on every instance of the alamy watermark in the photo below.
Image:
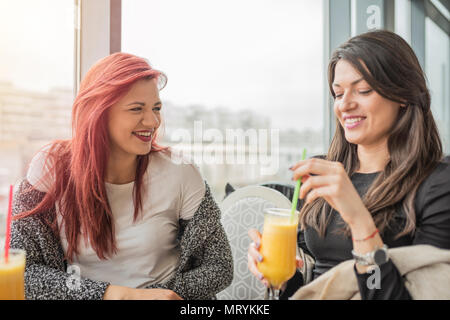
73	282
234	146
374	281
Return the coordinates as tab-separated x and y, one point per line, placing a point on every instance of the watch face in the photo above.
380	257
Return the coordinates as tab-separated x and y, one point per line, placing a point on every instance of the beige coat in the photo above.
425	268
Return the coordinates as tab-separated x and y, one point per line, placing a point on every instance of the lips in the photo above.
145	136
351	122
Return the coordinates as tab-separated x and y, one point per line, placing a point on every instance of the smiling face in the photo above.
365	115
133	120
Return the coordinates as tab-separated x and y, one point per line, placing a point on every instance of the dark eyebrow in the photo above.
353	83
143	104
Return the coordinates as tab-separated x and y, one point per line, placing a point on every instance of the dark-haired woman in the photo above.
383	183
132	220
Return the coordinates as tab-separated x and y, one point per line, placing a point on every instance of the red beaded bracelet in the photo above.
367	238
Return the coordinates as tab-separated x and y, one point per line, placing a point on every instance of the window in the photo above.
437	69
245	81
36	82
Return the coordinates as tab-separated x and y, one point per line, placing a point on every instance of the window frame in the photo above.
98	33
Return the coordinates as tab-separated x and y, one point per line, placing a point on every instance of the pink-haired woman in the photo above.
110	214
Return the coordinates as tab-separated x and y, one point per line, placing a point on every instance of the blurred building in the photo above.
197	120
28	120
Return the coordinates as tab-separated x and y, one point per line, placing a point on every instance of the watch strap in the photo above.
368	258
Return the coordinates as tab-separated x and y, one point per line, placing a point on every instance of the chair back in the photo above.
242	210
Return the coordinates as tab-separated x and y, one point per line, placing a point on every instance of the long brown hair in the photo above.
414	146
77	167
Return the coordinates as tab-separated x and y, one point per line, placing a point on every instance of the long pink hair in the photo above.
78	166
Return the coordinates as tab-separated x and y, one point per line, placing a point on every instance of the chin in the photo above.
353	140
139	151
143	152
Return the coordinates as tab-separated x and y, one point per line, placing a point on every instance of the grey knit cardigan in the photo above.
205	266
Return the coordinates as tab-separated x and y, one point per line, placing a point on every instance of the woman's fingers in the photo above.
307	161
313	166
255	236
326	192
298	164
254	253
299	262
254	256
252	264
314	182
316	167
305	178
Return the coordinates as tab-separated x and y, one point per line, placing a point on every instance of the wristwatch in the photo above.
376	257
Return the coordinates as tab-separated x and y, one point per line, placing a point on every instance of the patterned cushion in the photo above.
245	214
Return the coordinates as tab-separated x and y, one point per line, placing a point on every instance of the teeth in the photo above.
353	120
144	134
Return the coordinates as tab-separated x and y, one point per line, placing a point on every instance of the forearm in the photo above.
383	283
360	229
45	274
113	292
45	283
214	273
201	283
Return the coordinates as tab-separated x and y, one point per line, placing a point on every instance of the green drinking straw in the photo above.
297	189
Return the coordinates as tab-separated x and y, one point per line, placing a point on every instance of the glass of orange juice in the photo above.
12	275
278	248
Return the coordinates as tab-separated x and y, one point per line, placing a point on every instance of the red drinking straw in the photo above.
8	223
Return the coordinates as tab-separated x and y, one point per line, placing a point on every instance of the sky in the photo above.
37	43
263	55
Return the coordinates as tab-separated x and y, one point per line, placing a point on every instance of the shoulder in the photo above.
436	185
38	173
176	165
438	178
205	218
26	197
181	177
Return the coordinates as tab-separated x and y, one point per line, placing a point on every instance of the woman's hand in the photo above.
331	182
125	293
254	256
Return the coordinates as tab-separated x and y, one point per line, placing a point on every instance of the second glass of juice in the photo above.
278	246
12	275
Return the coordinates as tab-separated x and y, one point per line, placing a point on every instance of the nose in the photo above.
347	102
151	119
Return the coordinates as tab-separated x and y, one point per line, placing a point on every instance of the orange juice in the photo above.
278	246
12	275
